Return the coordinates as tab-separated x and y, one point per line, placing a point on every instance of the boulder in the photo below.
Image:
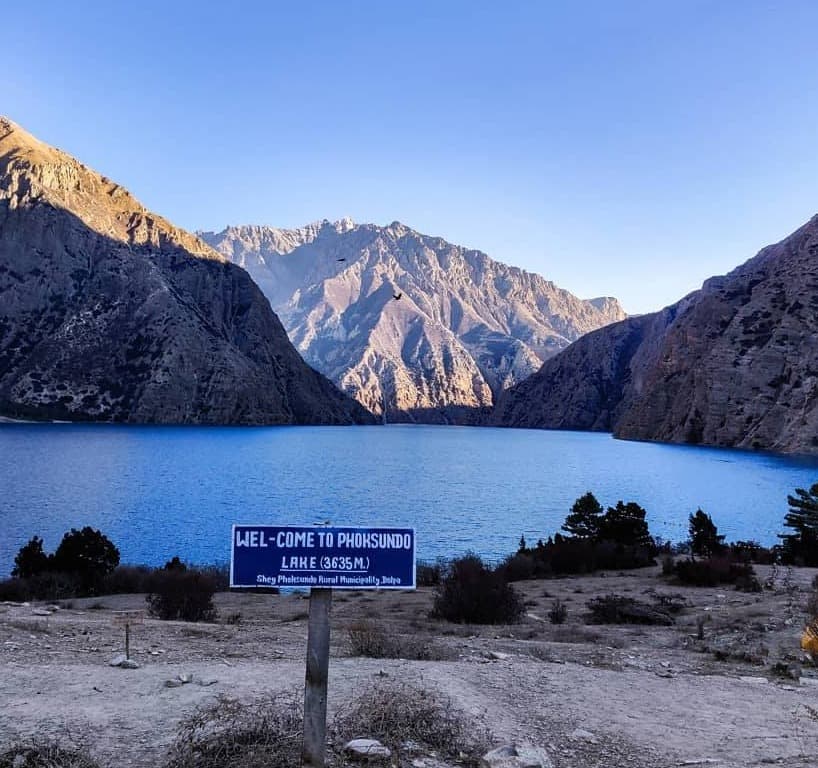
367	748
516	756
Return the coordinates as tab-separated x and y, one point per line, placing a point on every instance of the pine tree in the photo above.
584	519
31	560
705	540
802	545
625	524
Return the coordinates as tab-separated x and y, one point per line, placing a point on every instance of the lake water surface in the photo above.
163	491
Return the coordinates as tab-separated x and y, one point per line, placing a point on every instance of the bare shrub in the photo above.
618	609
428	574
45	755
181	594
576	634
367	638
712	571
265	733
127	580
558	612
473	593
397	713
15	590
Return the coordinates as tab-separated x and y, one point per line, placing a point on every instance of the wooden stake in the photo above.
127	641
315	687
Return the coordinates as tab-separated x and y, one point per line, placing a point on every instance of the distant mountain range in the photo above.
733	364
111	313
413	327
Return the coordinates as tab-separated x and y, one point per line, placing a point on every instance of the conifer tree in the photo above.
625	524
584	520
705	540
801	546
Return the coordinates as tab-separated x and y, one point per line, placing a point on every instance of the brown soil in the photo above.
643	696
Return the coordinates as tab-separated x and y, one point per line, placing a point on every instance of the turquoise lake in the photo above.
157	492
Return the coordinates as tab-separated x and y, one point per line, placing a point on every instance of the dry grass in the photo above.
370	639
398	713
30	626
573	633
44	755
228	734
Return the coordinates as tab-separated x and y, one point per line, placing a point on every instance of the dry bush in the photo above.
266	733
398	713
14	590
181	594
429	574
127	580
618	609
367	638
541	653
572	633
713	571
558	612
473	593
45	755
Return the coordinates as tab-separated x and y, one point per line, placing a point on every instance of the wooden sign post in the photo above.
322	559
315	687
126	618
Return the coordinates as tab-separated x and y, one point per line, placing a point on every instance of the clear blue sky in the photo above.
621	148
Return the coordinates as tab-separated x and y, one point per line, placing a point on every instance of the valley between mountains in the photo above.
111	313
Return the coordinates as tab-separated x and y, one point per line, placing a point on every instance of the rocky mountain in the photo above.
410	325
733	364
109	312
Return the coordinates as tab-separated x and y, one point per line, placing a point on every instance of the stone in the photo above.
368	748
498	655
123	663
516	756
580	734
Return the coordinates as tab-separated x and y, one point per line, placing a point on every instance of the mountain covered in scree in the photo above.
111	313
733	364
410	325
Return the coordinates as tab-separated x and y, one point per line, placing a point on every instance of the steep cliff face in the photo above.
734	364
111	313
463	327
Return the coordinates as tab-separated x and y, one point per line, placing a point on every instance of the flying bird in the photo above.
397	295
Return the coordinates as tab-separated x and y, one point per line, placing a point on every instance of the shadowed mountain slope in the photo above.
111	313
733	364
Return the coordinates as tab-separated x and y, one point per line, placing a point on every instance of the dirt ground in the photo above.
593	696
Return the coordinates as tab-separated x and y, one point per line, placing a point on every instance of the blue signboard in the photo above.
325	557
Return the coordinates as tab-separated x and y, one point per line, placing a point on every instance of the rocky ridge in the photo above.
112	313
464	327
733	364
